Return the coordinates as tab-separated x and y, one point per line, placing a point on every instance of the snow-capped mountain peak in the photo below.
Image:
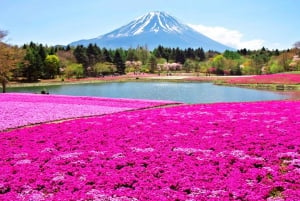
152	22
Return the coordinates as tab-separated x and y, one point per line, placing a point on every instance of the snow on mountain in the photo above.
152	22
153	29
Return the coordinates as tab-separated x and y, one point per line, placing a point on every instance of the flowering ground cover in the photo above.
281	78
24	109
224	151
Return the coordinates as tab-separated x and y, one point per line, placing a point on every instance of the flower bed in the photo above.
224	151
267	79
25	109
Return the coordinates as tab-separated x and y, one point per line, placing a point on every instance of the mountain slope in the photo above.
153	29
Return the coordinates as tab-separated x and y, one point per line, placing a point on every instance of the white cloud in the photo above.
228	37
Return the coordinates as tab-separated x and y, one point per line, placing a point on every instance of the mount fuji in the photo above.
152	30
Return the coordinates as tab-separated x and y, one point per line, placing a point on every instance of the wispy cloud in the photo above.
232	38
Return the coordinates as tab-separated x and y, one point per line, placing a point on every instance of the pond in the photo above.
187	92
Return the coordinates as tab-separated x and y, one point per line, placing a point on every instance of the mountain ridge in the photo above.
154	29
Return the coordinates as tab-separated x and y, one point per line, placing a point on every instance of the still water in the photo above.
183	92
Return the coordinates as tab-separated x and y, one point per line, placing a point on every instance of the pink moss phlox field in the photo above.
24	109
281	78
224	151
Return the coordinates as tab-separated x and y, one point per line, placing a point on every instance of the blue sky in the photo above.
248	24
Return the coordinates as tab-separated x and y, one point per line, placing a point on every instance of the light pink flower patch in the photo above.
225	151
25	109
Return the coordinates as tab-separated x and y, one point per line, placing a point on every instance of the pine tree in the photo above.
106	56
118	61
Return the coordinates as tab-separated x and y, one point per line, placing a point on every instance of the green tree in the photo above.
51	66
32	67
161	52
131	55
179	56
200	54
231	55
106	56
276	68
94	54
188	65
119	62
190	53
80	53
152	63
104	68
258	62
142	54
74	70
219	63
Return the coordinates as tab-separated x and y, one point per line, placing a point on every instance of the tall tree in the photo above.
131	55
118	61
51	66
32	68
81	55
143	54
200	54
153	63
42	53
179	56
94	54
106	56
9	58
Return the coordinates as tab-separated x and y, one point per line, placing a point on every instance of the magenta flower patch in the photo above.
25	109
267	79
225	151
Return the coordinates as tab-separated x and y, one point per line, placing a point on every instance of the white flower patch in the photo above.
48	150
188	151
288	155
100	196
20	155
97	153
68	155
178	134
143	150
23	162
58	177
118	155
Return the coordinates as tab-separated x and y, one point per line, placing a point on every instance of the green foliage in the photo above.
199	54
219	63
107	57
153	63
276	68
33	67
161	60
231	55
188	65
131	55
119	62
104	68
51	66
142	54
74	70
93	54
80	54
